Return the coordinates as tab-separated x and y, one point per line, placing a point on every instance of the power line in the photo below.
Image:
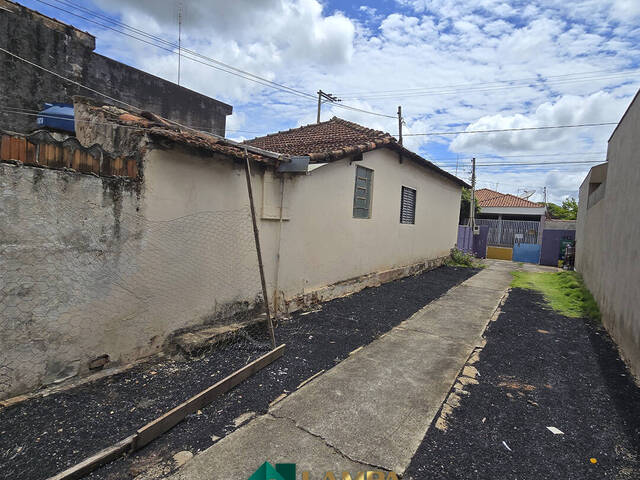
218	65
494	155
497	82
489	86
548	127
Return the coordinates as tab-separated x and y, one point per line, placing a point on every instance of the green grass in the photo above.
565	292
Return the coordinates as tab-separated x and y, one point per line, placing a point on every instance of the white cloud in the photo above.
568	110
459	50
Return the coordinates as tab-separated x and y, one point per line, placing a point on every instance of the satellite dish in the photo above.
527	194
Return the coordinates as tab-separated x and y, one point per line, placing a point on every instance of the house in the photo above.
608	233
69	52
115	241
511	220
368	209
504	206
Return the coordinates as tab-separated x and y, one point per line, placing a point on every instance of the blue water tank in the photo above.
58	116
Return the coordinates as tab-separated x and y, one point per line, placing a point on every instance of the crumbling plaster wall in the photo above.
99	266
95	266
61	240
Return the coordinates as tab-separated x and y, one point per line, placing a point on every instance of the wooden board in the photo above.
167	421
89	464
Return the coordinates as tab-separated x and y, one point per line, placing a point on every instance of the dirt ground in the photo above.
539	369
42	436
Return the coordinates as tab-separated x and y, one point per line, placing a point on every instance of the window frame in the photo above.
369	190
402	199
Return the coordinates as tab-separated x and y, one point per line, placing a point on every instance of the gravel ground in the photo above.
42	436
540	369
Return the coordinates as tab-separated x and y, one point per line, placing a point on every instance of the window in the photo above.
408	205
362	193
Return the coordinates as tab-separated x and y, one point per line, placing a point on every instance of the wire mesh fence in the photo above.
89	280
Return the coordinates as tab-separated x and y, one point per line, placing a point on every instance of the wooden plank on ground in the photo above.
89	464
157	427
167	421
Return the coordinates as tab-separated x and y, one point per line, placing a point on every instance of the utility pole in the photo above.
400	124
328	97
472	209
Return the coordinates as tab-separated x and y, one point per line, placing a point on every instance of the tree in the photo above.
465	204
567	211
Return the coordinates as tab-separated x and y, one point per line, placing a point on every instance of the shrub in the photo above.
458	258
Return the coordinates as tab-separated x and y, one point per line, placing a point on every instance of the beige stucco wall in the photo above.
324	244
91	267
608	239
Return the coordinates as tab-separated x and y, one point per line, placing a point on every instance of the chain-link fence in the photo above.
88	279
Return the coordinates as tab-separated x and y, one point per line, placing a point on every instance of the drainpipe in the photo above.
275	293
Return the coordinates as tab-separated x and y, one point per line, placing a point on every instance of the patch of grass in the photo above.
458	258
565	292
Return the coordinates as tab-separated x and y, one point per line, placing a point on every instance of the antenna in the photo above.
179	38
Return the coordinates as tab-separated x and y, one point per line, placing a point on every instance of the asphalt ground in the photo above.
43	436
539	369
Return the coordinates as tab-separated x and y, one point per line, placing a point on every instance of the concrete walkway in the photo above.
371	411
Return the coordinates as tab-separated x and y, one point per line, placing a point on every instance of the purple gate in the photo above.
473	244
552	244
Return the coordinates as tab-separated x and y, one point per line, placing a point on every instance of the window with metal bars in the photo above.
362	193
408	206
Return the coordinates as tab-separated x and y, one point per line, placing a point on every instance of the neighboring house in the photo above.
69	52
112	241
608	235
511	220
504	206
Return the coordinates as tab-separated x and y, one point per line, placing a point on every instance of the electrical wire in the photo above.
486	84
216	64
496	130
612	76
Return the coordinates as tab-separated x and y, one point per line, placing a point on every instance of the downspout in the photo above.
275	293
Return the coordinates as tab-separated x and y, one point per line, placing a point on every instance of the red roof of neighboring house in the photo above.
336	139
491	198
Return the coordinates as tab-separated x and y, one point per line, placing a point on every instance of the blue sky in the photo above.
452	65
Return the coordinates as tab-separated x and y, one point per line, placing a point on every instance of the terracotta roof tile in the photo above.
332	138
491	198
336	139
157	127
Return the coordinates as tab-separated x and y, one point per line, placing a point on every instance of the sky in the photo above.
452	65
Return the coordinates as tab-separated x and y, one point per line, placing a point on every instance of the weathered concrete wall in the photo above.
61	241
608	237
93	266
69	52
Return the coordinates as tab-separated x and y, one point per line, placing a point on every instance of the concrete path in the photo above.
371	411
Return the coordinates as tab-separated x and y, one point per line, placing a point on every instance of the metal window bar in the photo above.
408	206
